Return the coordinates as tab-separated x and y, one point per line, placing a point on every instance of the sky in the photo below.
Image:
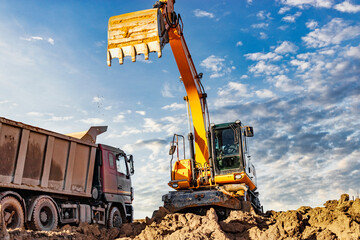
289	68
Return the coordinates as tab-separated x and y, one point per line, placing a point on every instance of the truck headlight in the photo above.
175	185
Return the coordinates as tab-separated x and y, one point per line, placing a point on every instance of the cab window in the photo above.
121	164
111	160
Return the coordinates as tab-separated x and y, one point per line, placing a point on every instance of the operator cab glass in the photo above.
226	143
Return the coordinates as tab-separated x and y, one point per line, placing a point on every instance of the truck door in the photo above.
123	176
110	173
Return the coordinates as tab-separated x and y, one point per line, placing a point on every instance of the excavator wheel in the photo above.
44	216
12	212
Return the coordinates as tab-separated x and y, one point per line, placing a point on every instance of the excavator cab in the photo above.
228	147
230	154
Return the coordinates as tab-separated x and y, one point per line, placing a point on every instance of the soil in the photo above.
338	219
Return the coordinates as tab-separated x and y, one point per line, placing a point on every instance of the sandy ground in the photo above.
338	219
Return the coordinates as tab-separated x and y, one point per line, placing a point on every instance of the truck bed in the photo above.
36	159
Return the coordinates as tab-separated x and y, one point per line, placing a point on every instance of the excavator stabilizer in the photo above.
136	33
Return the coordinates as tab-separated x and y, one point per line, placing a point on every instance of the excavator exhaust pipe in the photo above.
136	33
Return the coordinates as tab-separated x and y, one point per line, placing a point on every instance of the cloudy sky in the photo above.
289	68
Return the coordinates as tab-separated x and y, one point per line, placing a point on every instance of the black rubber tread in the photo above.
44	205
115	219
12	204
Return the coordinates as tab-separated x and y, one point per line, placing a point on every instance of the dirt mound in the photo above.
337	220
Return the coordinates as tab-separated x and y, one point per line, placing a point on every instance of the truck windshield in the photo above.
227	151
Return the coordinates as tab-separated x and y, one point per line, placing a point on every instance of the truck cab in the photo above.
113	181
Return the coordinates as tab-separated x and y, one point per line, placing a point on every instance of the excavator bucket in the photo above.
136	33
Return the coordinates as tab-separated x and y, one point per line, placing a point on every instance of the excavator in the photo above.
219	172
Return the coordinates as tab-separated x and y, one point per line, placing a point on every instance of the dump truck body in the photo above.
44	172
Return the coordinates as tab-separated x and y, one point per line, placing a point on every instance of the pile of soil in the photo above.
339	219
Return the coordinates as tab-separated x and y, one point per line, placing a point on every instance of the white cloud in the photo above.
291	18
265	93
37	38
285	84
216	65
142	113
97	99
286	47
263	15
93	121
239	43
260	25
261	56
119	118
307	3
151	125
35	114
58	119
302	65
312	24
262	67
239	89
244	76
166	91
201	13
232	93
336	31
174	106
353	52
51	41
263	35
283	10
347	7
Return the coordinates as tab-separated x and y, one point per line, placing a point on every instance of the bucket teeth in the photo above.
136	33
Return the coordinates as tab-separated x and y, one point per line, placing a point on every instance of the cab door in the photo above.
123	175
109	172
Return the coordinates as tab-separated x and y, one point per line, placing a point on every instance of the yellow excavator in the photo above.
219	172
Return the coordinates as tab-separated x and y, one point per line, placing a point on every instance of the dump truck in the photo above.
48	178
219	172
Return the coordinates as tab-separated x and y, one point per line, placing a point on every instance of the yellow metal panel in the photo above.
230	178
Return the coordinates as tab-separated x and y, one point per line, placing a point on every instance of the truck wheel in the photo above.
13	213
115	219
44	216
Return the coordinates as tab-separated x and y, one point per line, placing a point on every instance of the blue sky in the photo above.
288	68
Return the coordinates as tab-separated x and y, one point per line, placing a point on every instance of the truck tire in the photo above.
44	216
13	213
115	219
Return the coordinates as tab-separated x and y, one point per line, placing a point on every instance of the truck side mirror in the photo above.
249	131
131	161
